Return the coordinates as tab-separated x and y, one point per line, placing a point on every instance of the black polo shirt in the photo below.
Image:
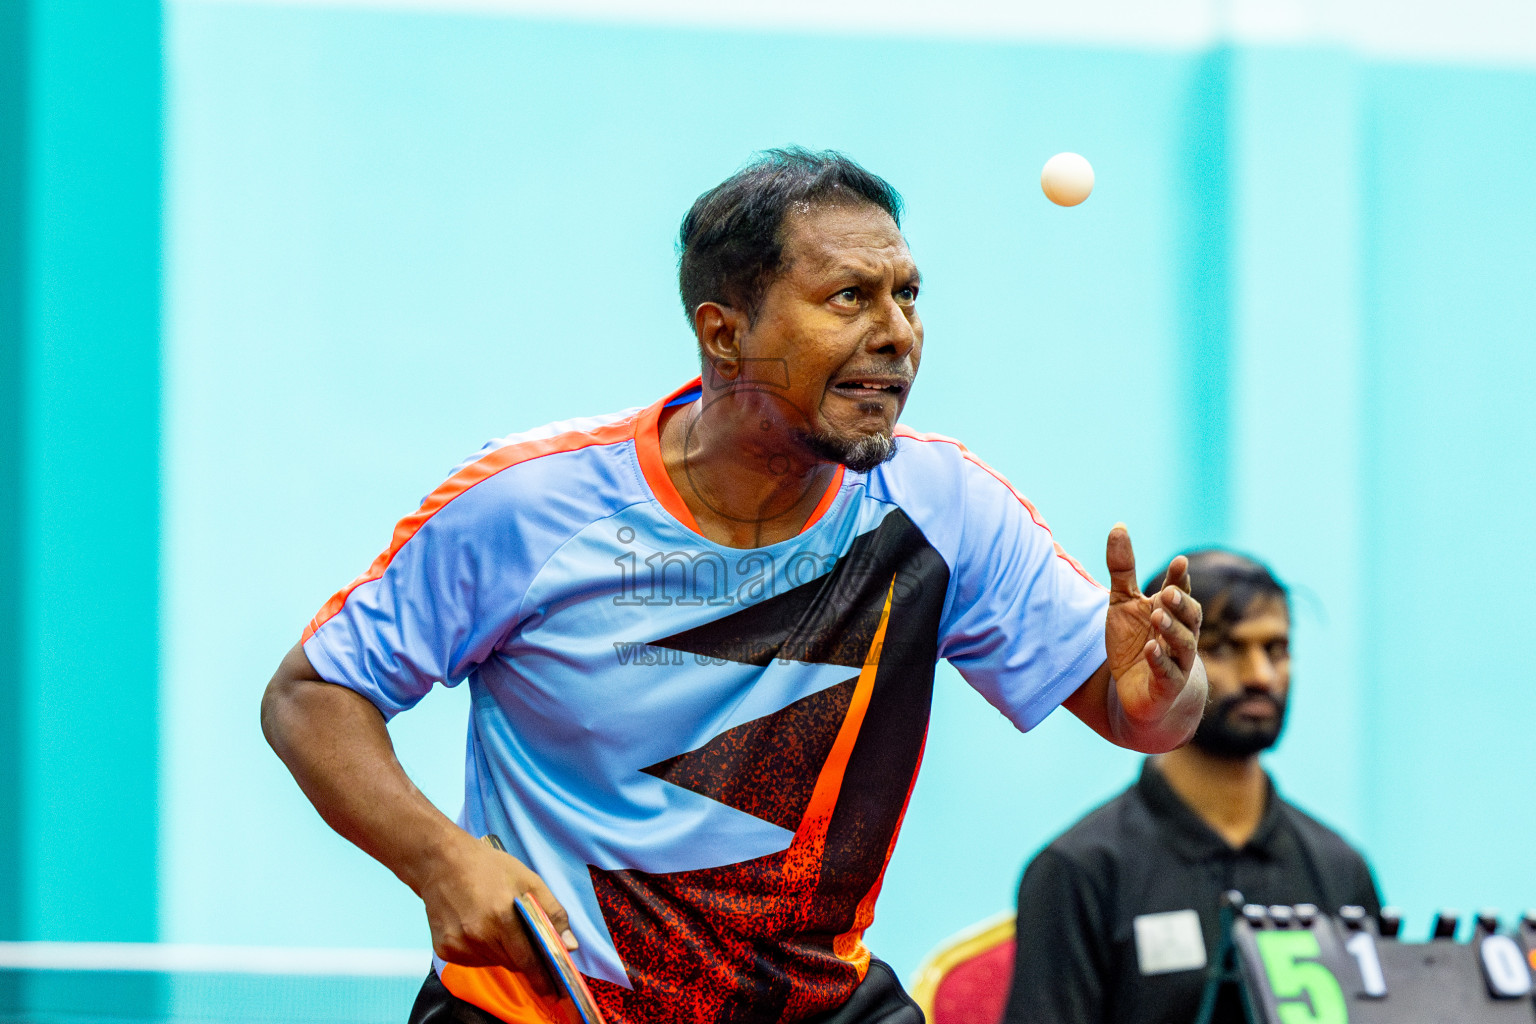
1105	930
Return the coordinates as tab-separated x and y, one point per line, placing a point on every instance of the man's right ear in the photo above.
719	329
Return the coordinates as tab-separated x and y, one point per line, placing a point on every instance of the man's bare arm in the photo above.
335	743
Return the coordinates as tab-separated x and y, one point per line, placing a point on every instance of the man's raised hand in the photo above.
1151	646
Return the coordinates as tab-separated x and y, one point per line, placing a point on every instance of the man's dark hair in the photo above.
731	247
1226	584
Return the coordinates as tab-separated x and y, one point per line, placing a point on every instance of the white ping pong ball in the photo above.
1066	179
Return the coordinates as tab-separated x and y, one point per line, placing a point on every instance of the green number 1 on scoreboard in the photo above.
1307	992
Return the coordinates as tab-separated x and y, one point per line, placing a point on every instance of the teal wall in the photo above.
80	95
1296	316
1450	364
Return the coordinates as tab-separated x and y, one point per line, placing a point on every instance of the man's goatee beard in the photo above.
1219	736
860	454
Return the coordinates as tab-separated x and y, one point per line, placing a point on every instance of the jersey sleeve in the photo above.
1025	624
435	604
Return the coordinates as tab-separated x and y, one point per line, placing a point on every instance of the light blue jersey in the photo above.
705	751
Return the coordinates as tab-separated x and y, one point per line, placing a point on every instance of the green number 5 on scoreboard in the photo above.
1307	992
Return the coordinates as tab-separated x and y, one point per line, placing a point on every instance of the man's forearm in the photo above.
335	743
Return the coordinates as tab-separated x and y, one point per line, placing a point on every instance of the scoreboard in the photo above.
1296	965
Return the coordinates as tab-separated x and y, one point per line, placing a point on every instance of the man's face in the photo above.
841	318
1249	668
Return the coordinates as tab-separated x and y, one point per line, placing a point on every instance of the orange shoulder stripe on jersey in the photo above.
480	470
502	993
1034	514
827	498
648	449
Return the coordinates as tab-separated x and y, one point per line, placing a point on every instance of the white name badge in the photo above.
1169	942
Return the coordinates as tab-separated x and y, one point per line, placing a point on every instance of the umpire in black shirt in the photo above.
1118	917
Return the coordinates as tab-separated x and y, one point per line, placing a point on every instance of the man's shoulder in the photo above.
936	467
1320	837
1109	832
918	450
1346	874
566	472
559	437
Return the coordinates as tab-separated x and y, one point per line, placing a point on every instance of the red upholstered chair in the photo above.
965	979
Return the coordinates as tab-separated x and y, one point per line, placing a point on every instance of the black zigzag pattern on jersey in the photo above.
766	767
832	619
761	931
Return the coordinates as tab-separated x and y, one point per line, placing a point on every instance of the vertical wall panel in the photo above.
90	479
13	71
1203	204
1451	478
1296	424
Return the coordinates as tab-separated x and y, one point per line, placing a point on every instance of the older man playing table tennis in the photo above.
700	640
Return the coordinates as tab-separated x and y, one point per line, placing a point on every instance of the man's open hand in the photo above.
469	908
1151	646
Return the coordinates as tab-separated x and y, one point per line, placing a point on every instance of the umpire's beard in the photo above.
1222	733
